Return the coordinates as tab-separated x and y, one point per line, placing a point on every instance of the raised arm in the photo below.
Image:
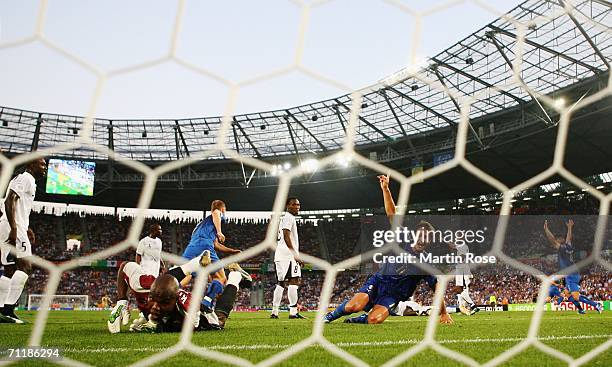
570	227
551	238
387	197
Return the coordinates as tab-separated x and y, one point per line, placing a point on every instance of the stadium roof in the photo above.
560	49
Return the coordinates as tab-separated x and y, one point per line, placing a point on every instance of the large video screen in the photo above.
67	177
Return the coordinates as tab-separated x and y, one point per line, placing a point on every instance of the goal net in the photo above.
462	85
71	302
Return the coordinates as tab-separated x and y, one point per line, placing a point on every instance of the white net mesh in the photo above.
521	52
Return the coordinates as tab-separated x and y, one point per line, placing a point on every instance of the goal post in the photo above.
60	301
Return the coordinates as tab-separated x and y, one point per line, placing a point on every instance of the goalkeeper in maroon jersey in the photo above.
169	305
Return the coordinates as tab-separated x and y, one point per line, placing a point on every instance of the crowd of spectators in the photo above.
339	237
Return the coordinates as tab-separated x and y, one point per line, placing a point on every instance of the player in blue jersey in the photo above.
207	236
392	284
565	252
556	291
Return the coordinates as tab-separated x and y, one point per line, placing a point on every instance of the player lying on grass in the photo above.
169	305
393	283
565	253
412	308
134	277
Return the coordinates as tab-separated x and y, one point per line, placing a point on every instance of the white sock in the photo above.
122	302
192	266
292	294
277	298
234	278
5	284
466	296
18	281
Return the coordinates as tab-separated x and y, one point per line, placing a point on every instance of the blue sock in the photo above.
361	319
338	312
214	289
576	303
588	301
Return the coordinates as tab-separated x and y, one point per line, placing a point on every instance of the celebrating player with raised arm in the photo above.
14	225
392	283
565	253
287	261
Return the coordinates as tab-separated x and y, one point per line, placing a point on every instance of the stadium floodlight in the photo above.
559	102
343	160
310	165
286	165
276	170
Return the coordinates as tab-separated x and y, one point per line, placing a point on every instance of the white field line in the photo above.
341	344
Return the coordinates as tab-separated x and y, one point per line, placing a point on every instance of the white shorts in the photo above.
463	280
287	269
134	273
23	248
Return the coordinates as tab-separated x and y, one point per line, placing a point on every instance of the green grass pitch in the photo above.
253	336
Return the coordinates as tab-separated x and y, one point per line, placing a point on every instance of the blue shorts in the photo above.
195	249
388	290
378	293
572	282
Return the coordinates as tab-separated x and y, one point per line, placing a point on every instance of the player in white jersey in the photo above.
287	261
412	308
463	278
148	252
15	246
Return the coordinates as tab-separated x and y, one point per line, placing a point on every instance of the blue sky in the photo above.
355	42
